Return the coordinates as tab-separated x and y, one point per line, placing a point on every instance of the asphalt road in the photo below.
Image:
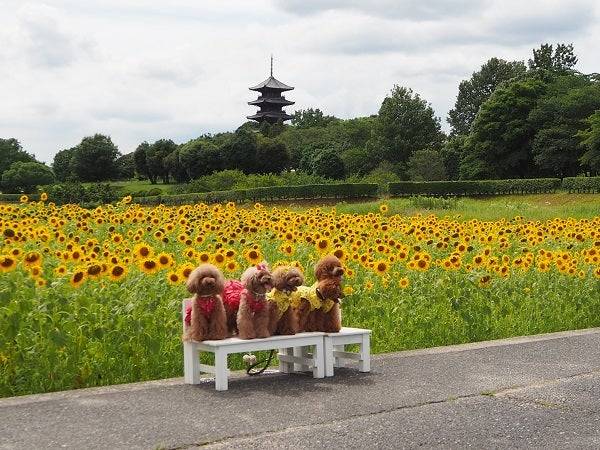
539	392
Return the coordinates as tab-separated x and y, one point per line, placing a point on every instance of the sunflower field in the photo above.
93	296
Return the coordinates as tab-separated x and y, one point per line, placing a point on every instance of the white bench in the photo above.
335	349
288	361
294	353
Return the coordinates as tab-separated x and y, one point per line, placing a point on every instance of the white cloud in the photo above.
144	70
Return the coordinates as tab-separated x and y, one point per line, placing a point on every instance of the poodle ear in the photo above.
192	282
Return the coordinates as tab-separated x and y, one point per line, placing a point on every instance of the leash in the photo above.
266	361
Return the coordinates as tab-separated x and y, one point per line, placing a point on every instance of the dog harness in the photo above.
254	304
206	305
231	294
283	300
312	295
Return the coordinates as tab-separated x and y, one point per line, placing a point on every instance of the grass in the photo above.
532	207
139	185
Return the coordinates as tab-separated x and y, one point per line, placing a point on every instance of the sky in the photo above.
141	70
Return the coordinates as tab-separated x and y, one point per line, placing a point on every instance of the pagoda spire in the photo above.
270	100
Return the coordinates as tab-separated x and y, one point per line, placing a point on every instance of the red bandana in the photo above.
206	306
254	304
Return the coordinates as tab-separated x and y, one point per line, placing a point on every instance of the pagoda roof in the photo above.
270	114
275	101
272	83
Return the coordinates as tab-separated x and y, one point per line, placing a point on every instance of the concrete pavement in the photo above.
541	391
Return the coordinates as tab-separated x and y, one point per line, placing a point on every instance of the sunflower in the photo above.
485	281
43	196
77	278
40	282
149	265
231	266
23	199
165	260
93	270
348	290
218	259
32	259
383	208
185	270
204	257
403	282
117	272
322	245
381	267
7	263
60	270
143	251
253	256
173	277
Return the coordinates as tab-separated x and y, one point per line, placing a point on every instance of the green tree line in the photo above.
511	119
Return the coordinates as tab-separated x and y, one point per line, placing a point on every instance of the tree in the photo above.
26	176
590	139
200	157
426	165
11	152
499	145
95	159
62	164
155	159
406	123
240	151
559	59
126	166
358	161
141	163
452	154
176	169
271	156
327	163
558	118
309	118
476	90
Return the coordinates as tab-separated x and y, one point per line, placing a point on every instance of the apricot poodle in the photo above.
205	314
282	317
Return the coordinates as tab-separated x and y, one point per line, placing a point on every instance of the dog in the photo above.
327	316
205	317
246	301
282	316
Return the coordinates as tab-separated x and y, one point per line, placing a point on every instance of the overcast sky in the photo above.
144	70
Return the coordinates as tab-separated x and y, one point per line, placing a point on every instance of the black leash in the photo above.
266	361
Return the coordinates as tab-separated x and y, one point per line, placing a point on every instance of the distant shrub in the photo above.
581	184
475	187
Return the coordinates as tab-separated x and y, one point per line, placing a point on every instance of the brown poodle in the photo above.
327	317
247	301
282	317
205	314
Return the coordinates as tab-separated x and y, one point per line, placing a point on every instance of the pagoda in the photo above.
270	100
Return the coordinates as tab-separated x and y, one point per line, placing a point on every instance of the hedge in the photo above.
475	187
303	192
581	184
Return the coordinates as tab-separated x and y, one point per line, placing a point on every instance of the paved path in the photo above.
534	392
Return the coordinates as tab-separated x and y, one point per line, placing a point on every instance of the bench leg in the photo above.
328	355
285	367
299	352
319	360
364	365
191	364
337	362
221	381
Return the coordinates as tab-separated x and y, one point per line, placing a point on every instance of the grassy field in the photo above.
83	304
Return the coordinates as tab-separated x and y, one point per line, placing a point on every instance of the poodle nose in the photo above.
208	281
338	272
295	281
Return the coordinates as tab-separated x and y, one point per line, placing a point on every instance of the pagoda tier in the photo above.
271	101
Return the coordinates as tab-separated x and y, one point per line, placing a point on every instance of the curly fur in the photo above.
285	280
257	282
206	280
329	272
